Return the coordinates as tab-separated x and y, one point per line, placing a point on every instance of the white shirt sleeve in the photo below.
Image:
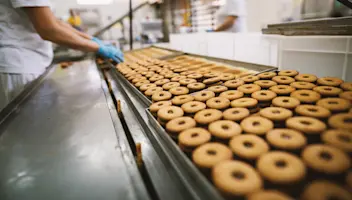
235	8
30	3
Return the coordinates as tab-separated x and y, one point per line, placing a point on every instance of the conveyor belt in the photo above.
66	142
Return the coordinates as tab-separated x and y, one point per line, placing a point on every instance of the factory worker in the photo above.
75	20
231	17
26	29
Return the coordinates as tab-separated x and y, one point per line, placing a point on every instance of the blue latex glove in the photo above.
210	30
110	52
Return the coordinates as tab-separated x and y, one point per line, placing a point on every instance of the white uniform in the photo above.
233	8
24	55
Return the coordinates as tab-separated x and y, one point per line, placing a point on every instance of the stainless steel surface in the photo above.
175	54
11	107
320	26
190	175
160	168
314	23
62	144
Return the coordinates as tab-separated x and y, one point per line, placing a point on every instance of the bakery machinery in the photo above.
171	125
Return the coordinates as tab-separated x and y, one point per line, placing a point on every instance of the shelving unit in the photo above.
203	15
198	15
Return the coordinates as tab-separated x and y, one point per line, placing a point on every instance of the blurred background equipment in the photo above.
312	9
151	31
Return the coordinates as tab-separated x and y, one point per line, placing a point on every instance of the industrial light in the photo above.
155	1
94	2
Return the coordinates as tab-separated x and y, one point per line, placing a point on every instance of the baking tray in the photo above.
250	66
107	65
140	95
148	102
234	63
175	53
191	176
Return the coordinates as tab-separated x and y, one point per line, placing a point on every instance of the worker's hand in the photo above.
210	30
110	52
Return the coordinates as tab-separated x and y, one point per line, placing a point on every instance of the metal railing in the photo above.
119	20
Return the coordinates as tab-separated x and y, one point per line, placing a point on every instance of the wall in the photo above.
263	12
260	13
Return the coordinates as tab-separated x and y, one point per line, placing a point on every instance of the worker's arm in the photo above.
229	21
68	26
50	29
